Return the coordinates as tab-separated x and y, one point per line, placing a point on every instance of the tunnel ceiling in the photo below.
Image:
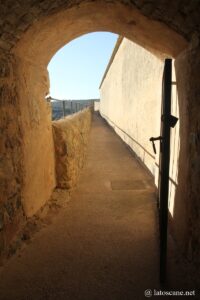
17	16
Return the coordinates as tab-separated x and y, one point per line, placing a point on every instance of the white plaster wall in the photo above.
131	103
131	98
174	146
96	106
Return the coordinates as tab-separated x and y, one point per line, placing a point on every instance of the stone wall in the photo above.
131	99
96	106
133	108
27	171
71	139
131	103
37	146
17	16
188	202
11	156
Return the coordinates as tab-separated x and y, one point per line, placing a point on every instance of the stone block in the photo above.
35	11
9	37
7	95
45	4
2	143
22	26
147	8
5	45
9	209
28	18
2	243
4	68
12	18
1	221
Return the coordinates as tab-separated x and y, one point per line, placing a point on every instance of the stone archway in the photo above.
33	53
28	154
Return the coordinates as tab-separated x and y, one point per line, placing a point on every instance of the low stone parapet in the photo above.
70	139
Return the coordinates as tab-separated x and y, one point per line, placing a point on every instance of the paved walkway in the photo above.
103	244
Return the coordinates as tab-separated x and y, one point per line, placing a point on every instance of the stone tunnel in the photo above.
30	34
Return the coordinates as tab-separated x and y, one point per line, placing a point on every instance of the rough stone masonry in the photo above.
17	16
71	139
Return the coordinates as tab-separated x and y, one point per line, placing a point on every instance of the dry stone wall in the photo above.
70	139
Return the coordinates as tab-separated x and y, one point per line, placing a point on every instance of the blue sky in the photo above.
76	69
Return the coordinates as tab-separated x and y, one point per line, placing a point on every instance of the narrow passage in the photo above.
103	245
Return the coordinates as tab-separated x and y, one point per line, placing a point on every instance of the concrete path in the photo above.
104	244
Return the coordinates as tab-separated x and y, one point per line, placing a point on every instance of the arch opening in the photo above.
31	56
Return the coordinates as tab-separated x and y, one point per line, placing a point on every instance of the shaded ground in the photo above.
103	244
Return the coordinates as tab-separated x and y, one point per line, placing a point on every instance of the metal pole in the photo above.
63	104
71	107
165	161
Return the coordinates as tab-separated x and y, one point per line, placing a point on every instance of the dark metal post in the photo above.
168	121
71	107
63	103
165	162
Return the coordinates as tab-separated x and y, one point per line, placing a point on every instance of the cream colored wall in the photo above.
38	147
96	106
174	146
131	98
131	103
